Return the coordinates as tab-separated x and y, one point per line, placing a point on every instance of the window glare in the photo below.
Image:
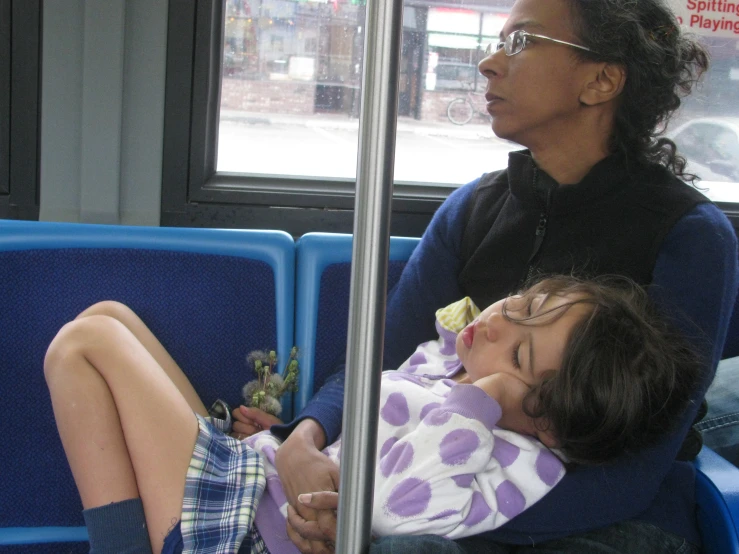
291	81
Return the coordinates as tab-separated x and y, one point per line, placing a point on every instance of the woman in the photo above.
585	86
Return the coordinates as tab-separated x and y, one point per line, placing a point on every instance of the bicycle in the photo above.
461	110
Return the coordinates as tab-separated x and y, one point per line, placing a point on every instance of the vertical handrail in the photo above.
372	210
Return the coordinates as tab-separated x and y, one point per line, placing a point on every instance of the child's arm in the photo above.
457	474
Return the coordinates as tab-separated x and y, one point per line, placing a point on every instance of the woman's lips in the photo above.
468	334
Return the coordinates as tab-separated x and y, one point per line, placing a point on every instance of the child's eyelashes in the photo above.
516	357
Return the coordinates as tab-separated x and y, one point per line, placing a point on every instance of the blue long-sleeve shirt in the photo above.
695	271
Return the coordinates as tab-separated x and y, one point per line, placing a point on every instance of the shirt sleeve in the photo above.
457	475
428	282
695	280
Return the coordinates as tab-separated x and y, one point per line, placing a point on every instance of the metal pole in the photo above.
372	210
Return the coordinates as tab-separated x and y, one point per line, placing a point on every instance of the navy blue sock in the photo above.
119	527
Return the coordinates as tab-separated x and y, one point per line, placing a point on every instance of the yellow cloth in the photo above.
456	316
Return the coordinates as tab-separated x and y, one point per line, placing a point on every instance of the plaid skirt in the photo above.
224	483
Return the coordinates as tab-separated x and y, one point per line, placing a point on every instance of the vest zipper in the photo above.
541	230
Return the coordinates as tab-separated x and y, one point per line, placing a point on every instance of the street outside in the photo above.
325	145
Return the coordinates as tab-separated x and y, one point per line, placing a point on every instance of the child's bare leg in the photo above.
130	319
126	429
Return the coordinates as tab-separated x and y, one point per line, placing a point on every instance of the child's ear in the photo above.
547	438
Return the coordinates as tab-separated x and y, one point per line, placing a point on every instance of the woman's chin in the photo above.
503	132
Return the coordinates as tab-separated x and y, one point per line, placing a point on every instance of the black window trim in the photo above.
194	194
5	96
19	196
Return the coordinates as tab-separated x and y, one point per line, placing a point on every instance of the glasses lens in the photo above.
515	42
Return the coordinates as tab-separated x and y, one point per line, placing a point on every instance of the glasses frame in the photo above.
507	44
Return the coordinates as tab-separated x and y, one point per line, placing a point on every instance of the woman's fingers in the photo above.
307	535
324	500
302	544
308	530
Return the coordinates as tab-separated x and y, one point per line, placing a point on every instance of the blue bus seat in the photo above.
211	296
717	496
322	303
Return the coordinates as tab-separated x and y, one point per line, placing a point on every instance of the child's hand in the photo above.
249	421
509	391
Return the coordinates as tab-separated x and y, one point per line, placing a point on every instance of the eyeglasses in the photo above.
518	40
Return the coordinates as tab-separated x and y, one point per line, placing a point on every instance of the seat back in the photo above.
322	303
717	496
210	296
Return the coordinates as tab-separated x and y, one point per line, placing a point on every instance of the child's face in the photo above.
526	350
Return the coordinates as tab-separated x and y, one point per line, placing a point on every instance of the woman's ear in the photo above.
606	82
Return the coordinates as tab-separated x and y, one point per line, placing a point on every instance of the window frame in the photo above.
19	198
5	8
195	194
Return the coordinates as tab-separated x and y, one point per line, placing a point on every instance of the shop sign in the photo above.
715	18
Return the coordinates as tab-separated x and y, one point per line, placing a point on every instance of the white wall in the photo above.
102	110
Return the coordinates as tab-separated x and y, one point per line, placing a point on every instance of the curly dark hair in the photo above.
662	66
626	374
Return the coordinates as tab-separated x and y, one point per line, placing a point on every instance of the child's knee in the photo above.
110	308
75	338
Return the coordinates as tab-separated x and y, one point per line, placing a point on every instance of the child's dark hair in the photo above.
626	375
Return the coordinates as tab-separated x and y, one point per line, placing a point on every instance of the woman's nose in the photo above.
489	66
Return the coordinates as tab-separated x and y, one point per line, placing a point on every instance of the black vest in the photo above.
522	224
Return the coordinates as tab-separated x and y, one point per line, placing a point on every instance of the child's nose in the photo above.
490	327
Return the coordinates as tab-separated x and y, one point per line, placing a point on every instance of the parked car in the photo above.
711	146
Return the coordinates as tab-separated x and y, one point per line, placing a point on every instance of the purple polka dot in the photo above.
274	486
409	498
417	359
395	411
479	510
451	364
510	500
548	467
437	418
443	515
387	445
505	452
269	453
457	447
397	460
448	347
465	480
448	382
427	408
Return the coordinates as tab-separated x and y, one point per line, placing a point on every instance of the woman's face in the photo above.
526	350
533	96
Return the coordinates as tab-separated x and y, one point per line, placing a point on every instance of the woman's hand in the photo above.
323	529
303	468
249	421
